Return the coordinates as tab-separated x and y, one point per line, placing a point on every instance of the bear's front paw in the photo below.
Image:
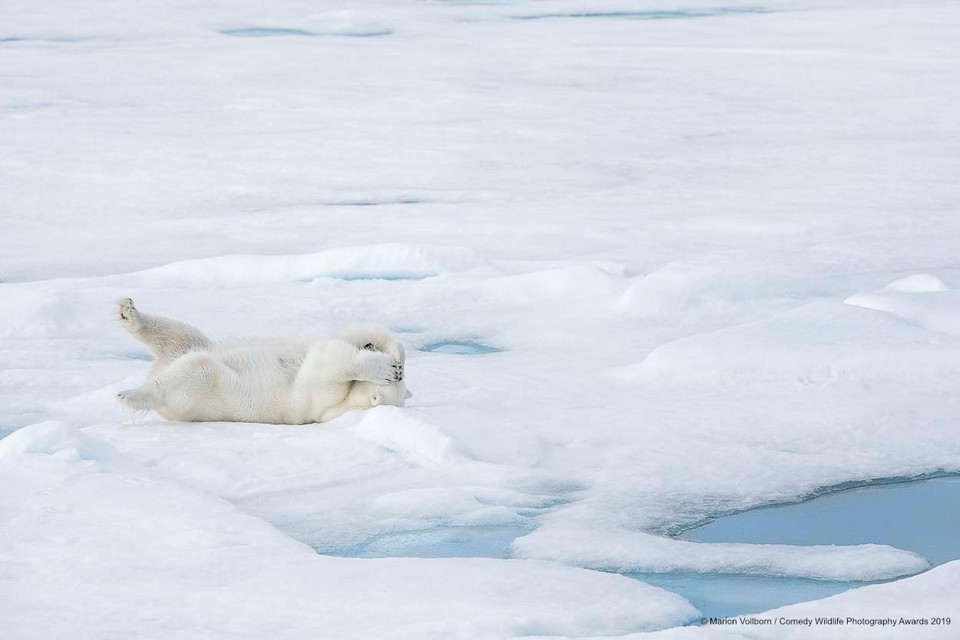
380	368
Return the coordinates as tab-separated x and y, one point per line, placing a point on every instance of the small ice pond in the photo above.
460	347
729	595
921	516
273	32
654	14
444	542
917	515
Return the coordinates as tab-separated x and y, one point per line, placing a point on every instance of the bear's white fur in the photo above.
262	380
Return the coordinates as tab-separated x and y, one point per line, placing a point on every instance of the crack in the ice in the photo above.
662	14
267	32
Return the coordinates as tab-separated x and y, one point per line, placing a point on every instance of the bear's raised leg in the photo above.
167	339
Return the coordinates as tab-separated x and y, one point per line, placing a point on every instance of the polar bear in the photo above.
262	380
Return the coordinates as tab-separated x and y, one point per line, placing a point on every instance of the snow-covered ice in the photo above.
161	560
711	250
635	551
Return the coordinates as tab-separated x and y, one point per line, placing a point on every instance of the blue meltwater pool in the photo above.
922	516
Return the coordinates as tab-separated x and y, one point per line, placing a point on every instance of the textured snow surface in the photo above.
711	247
167	561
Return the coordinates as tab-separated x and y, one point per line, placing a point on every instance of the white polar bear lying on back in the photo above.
262	380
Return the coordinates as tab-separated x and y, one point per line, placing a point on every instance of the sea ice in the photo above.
718	253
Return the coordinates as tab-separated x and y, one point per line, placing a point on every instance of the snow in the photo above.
636	551
713	247
360	263
158	557
817	343
918	300
413	440
919	283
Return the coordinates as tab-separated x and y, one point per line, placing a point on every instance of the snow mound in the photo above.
54	438
560	282
383	261
347	22
920	300
918	283
818	343
681	286
26	312
449	504
621	550
415	441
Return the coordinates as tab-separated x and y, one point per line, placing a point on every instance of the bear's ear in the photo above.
409	395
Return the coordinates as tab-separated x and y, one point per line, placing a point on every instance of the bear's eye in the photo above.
369	347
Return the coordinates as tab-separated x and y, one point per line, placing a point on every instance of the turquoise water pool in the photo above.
444	542
729	595
460	347
921	516
917	515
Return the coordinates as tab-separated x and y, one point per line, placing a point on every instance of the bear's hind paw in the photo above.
137	399
128	312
